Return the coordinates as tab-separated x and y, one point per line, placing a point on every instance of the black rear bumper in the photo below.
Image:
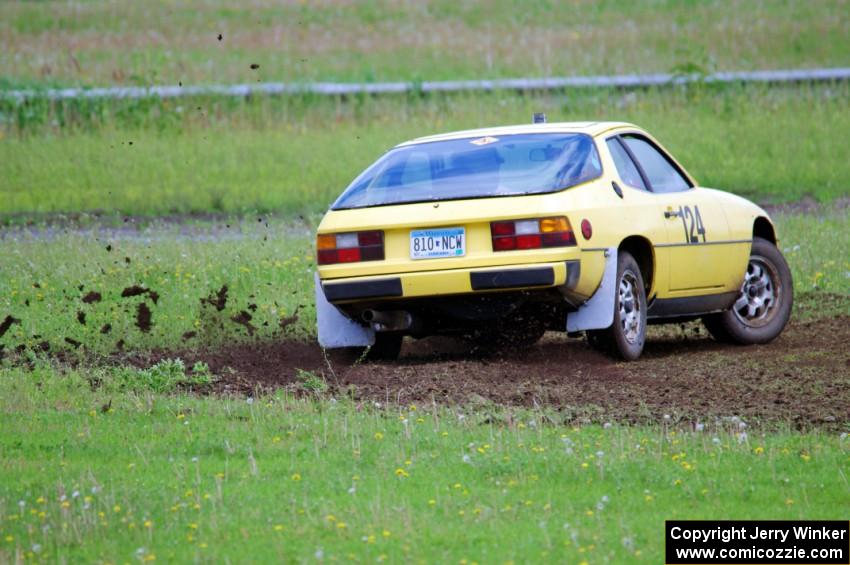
478	280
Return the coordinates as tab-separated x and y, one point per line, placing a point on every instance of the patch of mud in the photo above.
802	378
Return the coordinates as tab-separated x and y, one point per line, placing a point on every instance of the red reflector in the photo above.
348	255
327	256
370	238
504	243
586	229
528	241
502	228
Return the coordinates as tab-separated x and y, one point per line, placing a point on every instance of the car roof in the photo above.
589	128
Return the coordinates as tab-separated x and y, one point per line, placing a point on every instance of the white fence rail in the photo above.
522	84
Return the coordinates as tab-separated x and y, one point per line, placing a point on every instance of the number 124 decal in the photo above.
692	224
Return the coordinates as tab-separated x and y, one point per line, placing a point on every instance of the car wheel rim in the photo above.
760	292
630	322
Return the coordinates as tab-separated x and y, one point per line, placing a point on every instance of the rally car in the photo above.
501	234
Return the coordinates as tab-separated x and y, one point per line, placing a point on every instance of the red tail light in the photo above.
350	247
532	234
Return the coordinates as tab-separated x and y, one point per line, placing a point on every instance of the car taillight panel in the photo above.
539	233
351	247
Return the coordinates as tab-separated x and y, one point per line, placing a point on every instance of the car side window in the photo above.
661	174
625	166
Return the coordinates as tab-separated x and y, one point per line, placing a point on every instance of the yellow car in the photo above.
501	234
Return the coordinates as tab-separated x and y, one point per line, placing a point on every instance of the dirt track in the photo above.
803	378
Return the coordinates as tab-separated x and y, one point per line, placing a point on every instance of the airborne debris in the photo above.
73	342
7	323
286	321
134	290
218	300
92	296
243	318
143	318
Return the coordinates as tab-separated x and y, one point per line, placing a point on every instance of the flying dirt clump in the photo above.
217	300
73	342
243	318
7	323
91	297
137	290
143	318
287	321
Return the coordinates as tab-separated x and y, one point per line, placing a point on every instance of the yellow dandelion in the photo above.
296	477
401	473
379	436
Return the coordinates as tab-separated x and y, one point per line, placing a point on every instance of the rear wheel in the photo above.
627	335
764	301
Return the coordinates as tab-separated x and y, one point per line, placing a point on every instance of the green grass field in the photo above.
107	462
99	43
268	271
115	477
294	156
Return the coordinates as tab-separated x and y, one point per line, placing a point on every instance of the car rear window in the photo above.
505	165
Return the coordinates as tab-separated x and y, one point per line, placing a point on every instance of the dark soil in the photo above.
801	379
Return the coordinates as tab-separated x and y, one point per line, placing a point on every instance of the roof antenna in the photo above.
538	118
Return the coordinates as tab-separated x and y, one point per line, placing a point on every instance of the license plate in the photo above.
432	244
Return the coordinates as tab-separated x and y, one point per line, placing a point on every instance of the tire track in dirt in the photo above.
802	379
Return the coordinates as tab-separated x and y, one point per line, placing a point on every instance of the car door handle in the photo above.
617	188
672	214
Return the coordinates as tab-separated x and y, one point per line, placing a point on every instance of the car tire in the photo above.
387	347
626	336
763	305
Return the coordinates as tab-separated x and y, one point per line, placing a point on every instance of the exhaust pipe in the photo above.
388	321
